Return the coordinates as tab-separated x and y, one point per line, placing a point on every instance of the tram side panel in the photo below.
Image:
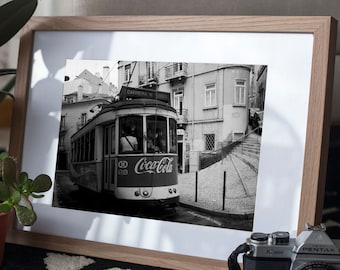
89	174
148	178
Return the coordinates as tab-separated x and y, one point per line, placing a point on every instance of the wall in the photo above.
204	7
8	54
186	7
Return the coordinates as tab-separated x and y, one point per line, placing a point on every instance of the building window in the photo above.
83	118
62	140
178	100
210	95
127	73
209	142
150	70
178	67
63	122
70	99
240	93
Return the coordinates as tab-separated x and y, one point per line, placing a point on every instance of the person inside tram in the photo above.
128	142
151	147
160	140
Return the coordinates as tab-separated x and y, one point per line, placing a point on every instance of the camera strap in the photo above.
232	260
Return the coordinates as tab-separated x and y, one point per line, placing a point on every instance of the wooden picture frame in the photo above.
323	33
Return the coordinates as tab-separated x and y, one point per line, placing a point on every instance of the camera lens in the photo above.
281	238
259	237
317	266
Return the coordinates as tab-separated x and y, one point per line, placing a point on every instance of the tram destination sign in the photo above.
131	92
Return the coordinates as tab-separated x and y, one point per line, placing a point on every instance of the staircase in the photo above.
249	151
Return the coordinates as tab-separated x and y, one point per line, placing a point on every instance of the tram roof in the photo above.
142	93
131	97
134	98
136	103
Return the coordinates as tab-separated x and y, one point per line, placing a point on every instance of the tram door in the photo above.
109	157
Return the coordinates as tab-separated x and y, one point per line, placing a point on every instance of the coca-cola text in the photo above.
154	166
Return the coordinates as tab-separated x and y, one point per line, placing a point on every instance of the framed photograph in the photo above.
170	138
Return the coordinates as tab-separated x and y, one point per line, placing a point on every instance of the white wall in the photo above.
187	7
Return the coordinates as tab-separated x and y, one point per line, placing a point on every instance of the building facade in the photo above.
212	102
82	100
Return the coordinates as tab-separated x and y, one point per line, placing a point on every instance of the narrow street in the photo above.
68	195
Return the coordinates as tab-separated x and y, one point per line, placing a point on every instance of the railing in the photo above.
209	158
176	70
148	79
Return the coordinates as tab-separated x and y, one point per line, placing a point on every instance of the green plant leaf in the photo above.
5	207
25	215
14	15
4	192
9	171
26	188
41	183
23	178
16	196
37	196
3	155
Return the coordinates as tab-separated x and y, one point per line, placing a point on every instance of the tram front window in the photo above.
156	134
131	134
173	135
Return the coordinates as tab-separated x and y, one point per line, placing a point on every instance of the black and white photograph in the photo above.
155	155
172	141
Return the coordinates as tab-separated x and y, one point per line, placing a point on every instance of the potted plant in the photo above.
13	16
16	188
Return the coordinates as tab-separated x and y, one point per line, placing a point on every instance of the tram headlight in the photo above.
170	190
137	193
145	193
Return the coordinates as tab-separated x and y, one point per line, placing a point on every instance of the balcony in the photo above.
176	71
148	80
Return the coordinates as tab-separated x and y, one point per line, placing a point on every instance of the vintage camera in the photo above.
311	250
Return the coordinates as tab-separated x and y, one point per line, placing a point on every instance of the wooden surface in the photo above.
314	171
113	252
318	125
271	24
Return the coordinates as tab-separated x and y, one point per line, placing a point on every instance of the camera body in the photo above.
312	249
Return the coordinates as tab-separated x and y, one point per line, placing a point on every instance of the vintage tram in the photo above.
129	149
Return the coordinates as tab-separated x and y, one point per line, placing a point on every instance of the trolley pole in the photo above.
196	185
224	187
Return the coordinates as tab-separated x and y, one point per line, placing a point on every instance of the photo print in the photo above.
177	142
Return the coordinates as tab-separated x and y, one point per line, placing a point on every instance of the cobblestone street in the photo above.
240	168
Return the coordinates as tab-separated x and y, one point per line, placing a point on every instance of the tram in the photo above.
129	149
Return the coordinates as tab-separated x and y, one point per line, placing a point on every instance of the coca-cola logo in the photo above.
154	166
